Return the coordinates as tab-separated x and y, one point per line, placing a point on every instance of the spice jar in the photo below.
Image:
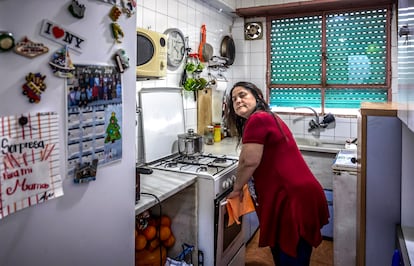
217	132
209	135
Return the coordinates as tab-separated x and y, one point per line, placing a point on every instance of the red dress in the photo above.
292	203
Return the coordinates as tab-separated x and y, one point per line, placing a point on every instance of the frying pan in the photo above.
228	50
205	50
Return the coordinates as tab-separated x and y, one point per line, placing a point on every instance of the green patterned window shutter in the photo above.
356	54
291	97
296	50
356	47
352	98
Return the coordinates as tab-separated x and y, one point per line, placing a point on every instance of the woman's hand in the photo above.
236	193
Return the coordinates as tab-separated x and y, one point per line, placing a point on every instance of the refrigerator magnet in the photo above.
115	13
129	7
76	9
61	63
30	49
121	60
6	41
117	32
34	87
86	172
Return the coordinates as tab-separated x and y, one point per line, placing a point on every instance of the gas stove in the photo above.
208	165
219	169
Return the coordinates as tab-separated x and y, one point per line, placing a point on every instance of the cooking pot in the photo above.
190	143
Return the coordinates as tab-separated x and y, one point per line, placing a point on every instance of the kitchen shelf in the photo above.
162	184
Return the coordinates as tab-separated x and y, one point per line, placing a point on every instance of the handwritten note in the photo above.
29	161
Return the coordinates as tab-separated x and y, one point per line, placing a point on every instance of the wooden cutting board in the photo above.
204	112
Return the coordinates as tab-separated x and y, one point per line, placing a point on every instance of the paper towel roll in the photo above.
221	85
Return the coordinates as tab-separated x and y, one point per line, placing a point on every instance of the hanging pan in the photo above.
228	50
205	50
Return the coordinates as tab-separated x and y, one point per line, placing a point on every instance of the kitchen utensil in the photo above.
190	143
205	50
228	50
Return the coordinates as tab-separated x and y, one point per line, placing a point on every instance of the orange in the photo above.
140	242
165	220
169	242
153	244
149	232
165	232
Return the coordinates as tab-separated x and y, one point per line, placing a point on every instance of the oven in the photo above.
229	240
218	243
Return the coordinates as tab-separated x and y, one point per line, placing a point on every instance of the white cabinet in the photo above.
344	201
379	183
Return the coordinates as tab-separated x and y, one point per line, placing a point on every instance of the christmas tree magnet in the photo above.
113	129
61	63
34	87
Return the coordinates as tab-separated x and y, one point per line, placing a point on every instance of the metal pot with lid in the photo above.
190	143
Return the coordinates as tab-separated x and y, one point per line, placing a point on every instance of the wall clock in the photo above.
253	30
175	47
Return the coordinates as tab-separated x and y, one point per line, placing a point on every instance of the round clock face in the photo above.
175	47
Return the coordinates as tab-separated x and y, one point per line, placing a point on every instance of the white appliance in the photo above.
345	207
162	111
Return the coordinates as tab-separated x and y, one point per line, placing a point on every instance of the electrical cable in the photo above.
158	224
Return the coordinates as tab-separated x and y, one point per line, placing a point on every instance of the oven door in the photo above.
228	239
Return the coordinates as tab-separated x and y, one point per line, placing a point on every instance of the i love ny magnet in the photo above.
62	36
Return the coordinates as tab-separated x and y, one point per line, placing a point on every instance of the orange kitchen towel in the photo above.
237	208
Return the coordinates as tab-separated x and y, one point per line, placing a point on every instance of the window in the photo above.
330	60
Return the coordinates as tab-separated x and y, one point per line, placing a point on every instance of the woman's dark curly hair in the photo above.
234	122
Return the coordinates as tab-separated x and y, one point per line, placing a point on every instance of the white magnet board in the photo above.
162	120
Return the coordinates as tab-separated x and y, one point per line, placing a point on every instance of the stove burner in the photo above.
171	165
220	160
201	169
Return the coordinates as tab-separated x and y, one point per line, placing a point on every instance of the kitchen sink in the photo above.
319	145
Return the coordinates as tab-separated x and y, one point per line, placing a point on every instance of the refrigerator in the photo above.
92	223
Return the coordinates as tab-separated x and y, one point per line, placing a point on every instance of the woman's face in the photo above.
244	103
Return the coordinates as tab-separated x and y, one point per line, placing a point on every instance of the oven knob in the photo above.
226	184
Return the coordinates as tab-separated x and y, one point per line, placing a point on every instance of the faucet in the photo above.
314	123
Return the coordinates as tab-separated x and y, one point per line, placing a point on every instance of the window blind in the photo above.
356	54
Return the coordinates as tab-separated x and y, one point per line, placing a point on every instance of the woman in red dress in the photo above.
291	204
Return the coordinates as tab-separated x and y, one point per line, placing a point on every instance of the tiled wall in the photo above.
249	63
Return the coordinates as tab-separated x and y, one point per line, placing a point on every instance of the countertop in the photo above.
227	146
162	184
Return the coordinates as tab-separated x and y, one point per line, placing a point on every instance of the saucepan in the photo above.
190	143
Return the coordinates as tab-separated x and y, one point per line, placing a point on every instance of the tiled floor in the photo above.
255	256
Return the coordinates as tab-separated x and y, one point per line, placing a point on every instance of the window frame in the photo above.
323	86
